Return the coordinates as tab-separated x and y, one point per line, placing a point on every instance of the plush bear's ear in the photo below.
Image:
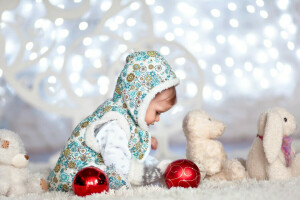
4	143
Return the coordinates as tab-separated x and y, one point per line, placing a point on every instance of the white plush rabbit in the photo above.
271	155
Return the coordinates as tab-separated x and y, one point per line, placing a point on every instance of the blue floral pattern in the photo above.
142	72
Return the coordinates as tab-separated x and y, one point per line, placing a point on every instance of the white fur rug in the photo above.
246	189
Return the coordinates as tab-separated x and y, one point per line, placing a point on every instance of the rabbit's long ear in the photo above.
273	136
262	123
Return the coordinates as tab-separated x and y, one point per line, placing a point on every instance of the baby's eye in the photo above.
209	119
285	119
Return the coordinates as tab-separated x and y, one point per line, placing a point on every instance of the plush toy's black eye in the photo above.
285	119
209	119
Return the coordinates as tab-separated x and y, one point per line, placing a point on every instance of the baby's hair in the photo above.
173	99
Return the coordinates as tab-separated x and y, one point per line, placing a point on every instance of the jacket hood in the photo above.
145	74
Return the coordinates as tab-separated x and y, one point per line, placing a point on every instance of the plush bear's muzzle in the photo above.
20	160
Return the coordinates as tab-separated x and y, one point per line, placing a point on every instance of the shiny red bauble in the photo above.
182	173
90	180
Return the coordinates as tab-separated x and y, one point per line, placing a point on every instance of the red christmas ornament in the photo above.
90	180
182	173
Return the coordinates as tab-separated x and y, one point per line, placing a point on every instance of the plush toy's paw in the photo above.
218	176
3	188
202	169
36	184
234	170
212	166
43	184
17	190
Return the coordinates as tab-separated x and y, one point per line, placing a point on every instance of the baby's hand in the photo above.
154	143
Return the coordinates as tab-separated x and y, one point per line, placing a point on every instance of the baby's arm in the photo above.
116	155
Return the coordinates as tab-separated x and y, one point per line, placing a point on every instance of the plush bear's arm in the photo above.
36	184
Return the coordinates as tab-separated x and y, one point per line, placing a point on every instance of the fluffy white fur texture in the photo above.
249	189
154	91
15	178
265	159
136	173
200	130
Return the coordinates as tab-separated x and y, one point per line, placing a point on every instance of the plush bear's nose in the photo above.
27	157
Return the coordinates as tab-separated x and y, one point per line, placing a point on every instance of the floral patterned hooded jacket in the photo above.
144	75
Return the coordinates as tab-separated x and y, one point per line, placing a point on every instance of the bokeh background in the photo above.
60	60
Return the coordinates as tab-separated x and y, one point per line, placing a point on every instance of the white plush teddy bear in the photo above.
14	174
200	130
271	155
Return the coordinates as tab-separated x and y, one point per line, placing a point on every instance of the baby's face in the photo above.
160	104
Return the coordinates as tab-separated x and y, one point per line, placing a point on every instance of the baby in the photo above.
114	138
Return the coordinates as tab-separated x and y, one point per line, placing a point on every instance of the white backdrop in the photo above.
60	59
